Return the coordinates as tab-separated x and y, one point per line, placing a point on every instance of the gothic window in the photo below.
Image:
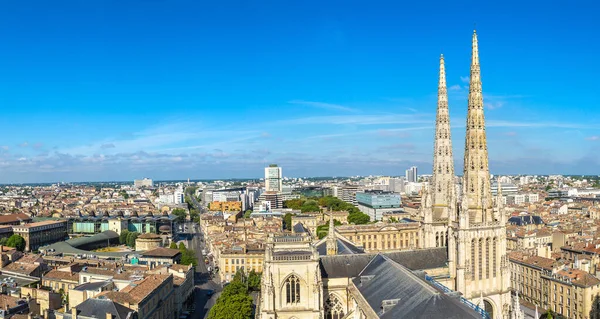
446	239
334	308
488	308
487	251
437	239
480	261
494	257
292	290
473	259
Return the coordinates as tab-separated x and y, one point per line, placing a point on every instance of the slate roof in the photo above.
70	247
343	247
344	266
385	280
525	220
98	307
92	285
299	228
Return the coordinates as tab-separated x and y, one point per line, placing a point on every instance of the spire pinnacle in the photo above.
331	225
475	50
331	243
476	176
442	186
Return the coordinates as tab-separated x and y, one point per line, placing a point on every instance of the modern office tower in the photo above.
273	178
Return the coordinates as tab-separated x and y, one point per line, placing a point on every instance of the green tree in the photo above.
310	206
123	237
248	213
124	194
173	245
254	280
180	214
294	203
182	247
287	221
358	218
238	306
234	302
188	257
16	241
131	237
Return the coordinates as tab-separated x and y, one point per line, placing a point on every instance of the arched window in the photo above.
487	252
473	249
494	263
333	308
292	290
480	258
488	308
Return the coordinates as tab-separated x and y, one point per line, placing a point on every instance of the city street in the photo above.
203	284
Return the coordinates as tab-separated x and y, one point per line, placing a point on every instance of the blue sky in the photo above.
116	90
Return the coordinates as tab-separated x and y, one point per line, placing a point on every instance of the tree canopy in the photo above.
131	237
287	221
235	301
16	241
188	256
355	216
180	214
123	237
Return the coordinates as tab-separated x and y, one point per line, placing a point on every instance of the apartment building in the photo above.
380	237
550	285
42	233
152	297
236	258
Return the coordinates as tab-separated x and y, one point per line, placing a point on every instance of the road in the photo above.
203	283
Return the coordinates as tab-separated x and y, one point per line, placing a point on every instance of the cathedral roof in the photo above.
344	266
299	228
344	247
393	291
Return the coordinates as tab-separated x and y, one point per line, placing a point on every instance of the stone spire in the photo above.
331	240
516	312
476	176
443	191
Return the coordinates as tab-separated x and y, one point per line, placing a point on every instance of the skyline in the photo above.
88	100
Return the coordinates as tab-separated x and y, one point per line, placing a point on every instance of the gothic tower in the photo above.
439	208
482	265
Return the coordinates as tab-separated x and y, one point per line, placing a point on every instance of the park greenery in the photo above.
15	241
306	205
235	301
128	238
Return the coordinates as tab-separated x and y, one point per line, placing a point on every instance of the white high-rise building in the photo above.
139	183
411	175
273	179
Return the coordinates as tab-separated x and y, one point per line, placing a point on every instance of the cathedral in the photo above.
461	270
